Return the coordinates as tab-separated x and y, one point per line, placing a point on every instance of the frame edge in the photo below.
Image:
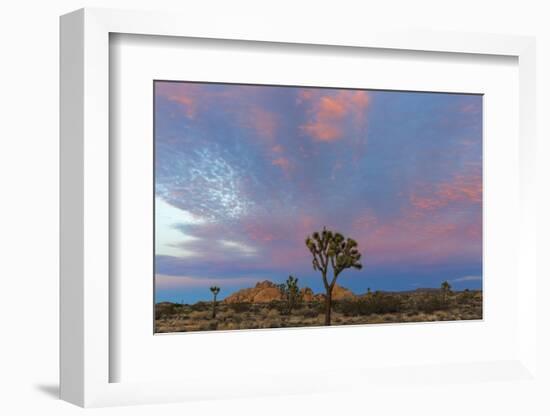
71	219
83	291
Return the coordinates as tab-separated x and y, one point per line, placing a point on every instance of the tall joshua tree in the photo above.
332	250
290	292
215	290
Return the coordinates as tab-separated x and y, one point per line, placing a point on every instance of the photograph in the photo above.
282	206
275	208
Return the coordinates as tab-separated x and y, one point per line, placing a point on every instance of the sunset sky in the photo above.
244	173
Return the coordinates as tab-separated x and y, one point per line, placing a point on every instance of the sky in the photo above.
244	173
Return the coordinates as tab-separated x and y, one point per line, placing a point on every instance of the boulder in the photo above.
263	292
307	294
266	292
341	293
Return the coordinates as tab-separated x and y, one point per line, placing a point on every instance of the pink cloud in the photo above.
263	122
431	229
324	132
360	99
290	257
183	94
304	95
283	163
408	239
365	222
465	188
187	102
266	124
331	108
259	233
306	224
193	98
328	112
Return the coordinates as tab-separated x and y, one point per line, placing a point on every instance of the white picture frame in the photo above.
85	220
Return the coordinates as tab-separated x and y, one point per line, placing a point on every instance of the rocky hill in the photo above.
266	291
263	292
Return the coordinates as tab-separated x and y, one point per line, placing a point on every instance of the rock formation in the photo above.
263	292
341	293
266	291
307	294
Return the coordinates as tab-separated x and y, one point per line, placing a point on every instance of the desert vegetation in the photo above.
308	309
290	294
332	250
215	290
270	305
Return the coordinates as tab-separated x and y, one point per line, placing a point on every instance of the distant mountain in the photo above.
267	291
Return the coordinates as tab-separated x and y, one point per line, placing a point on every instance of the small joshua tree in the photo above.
291	293
445	290
215	290
330	249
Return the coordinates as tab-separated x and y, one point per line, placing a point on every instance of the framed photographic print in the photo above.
282	194
284	206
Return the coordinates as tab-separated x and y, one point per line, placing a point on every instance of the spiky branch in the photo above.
290	293
332	250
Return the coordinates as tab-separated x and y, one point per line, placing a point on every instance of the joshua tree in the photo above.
291	293
215	290
445	290
331	249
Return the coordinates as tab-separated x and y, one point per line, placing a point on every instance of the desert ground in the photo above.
263	306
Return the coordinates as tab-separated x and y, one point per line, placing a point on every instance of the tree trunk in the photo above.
328	306
214	308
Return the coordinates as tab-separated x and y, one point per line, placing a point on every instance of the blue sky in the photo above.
244	173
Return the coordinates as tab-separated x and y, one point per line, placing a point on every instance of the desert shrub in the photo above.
317	306
201	306
240	307
300	311
377	319
441	315
378	303
250	325
351	307
382	303
273	313
310	313
274	324
432	303
165	310
277	305
208	326
198	315
466	297
237	319
256	308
